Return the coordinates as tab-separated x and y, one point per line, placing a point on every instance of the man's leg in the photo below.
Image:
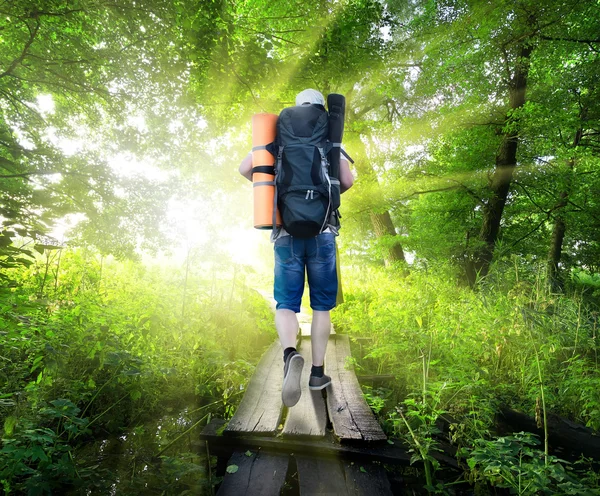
319	336
288	288
322	282
286	323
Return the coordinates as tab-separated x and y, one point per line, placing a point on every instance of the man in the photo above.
293	258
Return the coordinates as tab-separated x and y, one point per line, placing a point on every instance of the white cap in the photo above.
310	96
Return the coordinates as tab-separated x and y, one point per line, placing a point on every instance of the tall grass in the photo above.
494	343
102	346
463	352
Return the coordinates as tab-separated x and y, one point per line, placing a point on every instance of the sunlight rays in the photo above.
291	61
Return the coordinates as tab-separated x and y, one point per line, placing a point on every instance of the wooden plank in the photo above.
305	329
395	453
368	479
309	416
329	476
260	473
320	476
303	317
349	413
260	410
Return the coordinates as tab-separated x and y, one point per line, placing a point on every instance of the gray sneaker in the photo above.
292	373
318	383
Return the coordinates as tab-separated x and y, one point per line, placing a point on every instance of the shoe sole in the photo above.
291	390
318	388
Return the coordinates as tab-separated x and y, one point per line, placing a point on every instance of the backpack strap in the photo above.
346	155
332	220
265	169
329	181
270	147
277	170
339	145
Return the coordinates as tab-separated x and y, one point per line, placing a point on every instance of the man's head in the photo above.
310	96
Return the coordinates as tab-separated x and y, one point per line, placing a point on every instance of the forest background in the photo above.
470	244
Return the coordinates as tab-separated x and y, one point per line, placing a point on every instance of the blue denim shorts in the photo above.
316	257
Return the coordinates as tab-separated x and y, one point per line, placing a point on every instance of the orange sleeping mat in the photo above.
264	129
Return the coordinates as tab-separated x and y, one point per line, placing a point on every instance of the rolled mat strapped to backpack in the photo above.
336	104
264	129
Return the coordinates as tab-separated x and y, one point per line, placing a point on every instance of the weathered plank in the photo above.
349	413
339	477
395	453
260	473
260	410
309	416
320	476
366	480
305	329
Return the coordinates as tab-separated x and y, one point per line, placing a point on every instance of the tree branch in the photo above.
245	83
43	173
528	234
574	40
436	190
28	43
468	190
14	101
263	18
34	14
547	212
273	36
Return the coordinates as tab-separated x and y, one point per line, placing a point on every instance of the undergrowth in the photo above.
460	353
96	347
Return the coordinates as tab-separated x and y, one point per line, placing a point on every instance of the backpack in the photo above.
307	195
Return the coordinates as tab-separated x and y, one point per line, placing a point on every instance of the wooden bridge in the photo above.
329	443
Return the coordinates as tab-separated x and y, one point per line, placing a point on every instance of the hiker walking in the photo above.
307	199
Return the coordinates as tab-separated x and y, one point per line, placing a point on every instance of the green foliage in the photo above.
476	343
514	462
107	348
418	427
40	459
72	78
459	353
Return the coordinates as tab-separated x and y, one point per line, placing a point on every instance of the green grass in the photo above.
464	352
107	346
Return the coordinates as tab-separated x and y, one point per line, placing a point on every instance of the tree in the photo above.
84	75
471	71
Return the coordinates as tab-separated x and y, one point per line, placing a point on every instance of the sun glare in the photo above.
246	247
45	104
125	164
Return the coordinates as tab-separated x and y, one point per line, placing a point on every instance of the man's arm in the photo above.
346	177
246	167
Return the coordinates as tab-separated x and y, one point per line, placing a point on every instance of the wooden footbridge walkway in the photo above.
329	443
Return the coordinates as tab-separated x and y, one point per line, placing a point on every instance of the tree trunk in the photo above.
382	223
554	254
558	233
383	226
506	162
